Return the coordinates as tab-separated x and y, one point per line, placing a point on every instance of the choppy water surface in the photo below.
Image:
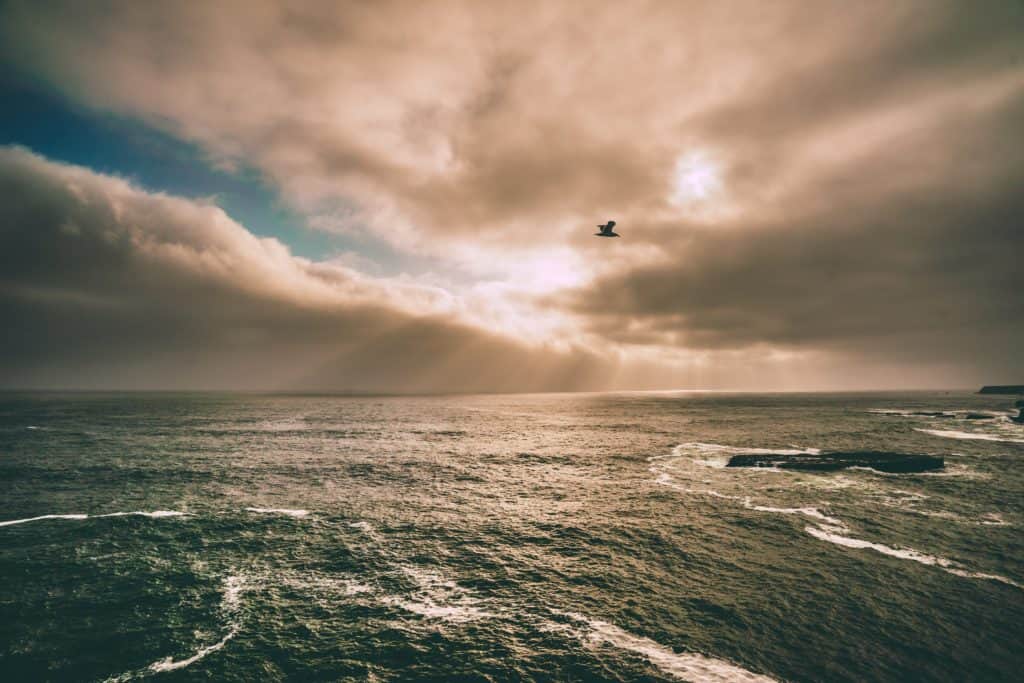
556	537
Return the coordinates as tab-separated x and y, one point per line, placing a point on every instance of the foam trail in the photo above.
35	519
692	667
906	554
169	664
280	511
954	434
806	511
155	514
234	586
700	448
439	598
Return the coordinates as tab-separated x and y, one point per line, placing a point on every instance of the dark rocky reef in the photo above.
1002	389
1020	417
944	414
900	463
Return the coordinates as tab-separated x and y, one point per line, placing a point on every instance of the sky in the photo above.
401	197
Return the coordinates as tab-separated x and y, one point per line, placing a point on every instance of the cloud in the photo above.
105	285
853	171
911	254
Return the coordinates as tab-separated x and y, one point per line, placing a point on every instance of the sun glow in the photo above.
697	180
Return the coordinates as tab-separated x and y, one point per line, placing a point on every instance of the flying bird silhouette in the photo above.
606	230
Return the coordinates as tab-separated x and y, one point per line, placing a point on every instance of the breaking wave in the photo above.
279	511
971	436
234	587
437	597
906	554
687	666
155	514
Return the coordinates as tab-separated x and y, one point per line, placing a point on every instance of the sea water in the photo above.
543	537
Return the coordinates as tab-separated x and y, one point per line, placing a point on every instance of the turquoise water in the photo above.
553	537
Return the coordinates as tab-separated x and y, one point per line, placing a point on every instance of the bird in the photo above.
606	230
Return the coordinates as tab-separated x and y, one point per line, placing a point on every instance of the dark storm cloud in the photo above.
105	285
856	166
913	253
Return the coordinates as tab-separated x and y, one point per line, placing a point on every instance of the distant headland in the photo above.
1002	389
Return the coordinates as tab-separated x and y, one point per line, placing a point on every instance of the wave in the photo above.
954	470
153	515
36	519
324	583
702	448
169	664
947	565
666	479
234	587
955	434
686	666
439	598
279	511
811	512
944	414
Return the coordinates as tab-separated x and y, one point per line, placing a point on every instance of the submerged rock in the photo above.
1020	418
836	460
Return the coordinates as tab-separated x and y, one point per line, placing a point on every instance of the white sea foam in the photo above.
36	519
665	479
812	512
153	515
905	554
234	586
993	519
973	436
169	664
686	666
280	511
712	449
439	598
950	470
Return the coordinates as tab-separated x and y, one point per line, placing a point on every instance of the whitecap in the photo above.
949	470
954	434
947	565
36	519
155	514
812	512
234	586
686	666
169	664
279	511
439	598
700	448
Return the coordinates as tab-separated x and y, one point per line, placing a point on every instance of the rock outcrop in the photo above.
903	463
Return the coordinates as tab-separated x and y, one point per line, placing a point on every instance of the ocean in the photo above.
563	537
